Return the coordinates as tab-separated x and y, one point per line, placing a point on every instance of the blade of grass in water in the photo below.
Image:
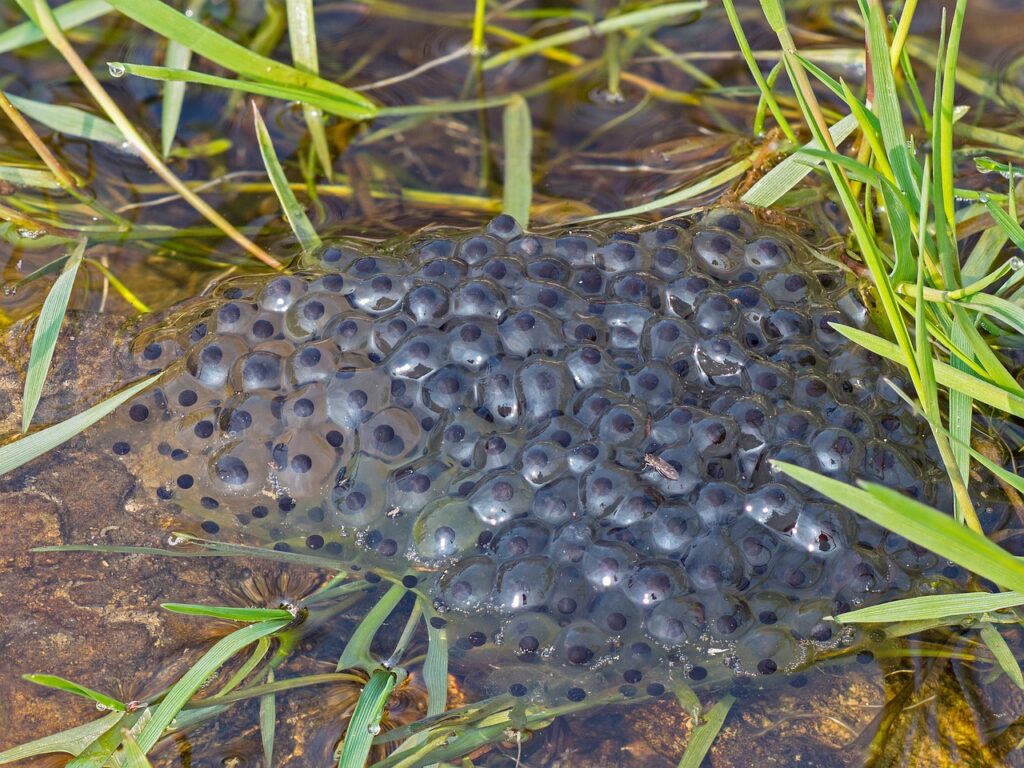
357	649
178	56
268	722
661	13
166	21
518	139
68	15
302	37
70	742
68	686
365	722
23	450
1002	653
704	735
198	674
99	753
228	614
72	121
134	757
920	524
44	340
933	607
304	231
35	178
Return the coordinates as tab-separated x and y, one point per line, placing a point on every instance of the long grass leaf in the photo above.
518	142
28	177
134	757
304	231
69	15
229	613
183	690
365	722
704	735
178	56
1002	653
933	607
268	722
44	340
302	37
357	649
791	171
72	121
99	753
920	524
71	741
69	686
166	21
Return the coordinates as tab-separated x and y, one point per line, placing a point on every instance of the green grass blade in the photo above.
72	121
71	741
1002	653
166	21
268	722
933	607
186	687
229	614
178	56
304	231
518	138
357	649
44	340
697	189
791	171
945	374
435	670
69	15
273	90
23	450
69	686
99	753
704	735
35	178
302	37
365	722
134	757
639	18
920	524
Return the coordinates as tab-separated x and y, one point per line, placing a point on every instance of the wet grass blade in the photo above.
99	753
357	649
920	524
71	741
134	757
180	693
268	722
658	14
704	735
71	121
34	178
23	450
302	37
229	614
68	686
518	138
69	15
435	669
169	23
365	722
44	340
178	56
933	607
791	171
304	231
1002	653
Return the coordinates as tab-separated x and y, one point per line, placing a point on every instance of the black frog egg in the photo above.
445	272
775	506
607	565
654	384
715	313
445	529
280	293
468	584
350	331
472	343
676	621
303	462
544	388
766	651
654	581
714	563
766	254
427	304
524	583
390	435
557	502
312	362
719	253
501	498
419	355
672	529
622	425
838	452
590	366
211	361
543	462
530	331
448	389
353	397
581	644
256	371
308	316
239	468
788	287
519	539
381	292
473	250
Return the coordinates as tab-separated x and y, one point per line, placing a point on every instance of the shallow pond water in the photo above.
601	143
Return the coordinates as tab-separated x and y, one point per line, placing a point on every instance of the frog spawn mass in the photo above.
563	441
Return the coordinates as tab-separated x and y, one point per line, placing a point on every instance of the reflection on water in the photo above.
601	143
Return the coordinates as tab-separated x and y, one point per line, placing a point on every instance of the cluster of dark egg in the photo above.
565	438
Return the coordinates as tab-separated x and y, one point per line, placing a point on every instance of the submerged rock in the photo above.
563	441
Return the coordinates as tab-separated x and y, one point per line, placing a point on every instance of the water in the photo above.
95	618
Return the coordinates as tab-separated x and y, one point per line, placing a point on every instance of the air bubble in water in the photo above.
373	729
1016	263
116	70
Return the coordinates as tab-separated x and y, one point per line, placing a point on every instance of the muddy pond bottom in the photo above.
563	441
